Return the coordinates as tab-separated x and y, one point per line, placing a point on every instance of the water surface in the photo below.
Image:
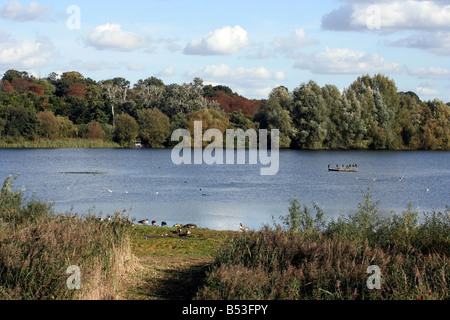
222	196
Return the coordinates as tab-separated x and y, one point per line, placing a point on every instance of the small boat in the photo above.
138	144
343	169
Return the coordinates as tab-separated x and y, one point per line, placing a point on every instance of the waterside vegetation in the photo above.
369	114
302	256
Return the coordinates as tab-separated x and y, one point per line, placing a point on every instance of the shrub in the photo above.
309	259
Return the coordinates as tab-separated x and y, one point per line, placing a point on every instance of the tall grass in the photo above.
21	143
307	257
37	246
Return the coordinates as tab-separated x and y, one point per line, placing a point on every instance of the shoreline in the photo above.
98	144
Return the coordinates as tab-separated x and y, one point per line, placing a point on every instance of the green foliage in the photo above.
301	219
154	126
369	114
126	129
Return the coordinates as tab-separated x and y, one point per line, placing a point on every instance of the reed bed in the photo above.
308	258
21	143
38	246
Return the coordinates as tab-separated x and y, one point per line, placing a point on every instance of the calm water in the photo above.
222	196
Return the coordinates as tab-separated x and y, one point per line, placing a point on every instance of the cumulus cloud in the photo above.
15	11
224	72
431	73
24	55
250	82
345	61
225	41
167	72
437	43
423	91
297	39
392	15
110	36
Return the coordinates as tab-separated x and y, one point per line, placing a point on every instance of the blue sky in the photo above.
250	46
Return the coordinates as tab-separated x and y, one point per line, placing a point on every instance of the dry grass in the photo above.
311	260
37	246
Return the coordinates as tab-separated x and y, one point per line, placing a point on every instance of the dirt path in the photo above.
170	267
167	278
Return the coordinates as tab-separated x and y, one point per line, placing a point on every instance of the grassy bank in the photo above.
37	247
21	143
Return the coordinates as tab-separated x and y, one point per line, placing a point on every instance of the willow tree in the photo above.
126	129
310	116
154	127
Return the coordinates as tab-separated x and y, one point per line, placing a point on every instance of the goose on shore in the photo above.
144	222
154	223
163	224
190	225
243	228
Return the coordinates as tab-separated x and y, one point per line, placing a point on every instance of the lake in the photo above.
148	185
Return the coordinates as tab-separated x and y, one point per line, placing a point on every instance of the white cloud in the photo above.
427	92
167	72
435	42
393	15
250	82
345	61
225	41
296	40
431	72
110	36
15	11
24	55
224	72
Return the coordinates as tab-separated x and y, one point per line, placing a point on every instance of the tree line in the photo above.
369	114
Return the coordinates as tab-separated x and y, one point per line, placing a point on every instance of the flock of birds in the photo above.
180	227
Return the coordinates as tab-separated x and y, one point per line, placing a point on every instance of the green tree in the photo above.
154	126
2	126
49	125
310	116
20	122
126	129
66	128
239	121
